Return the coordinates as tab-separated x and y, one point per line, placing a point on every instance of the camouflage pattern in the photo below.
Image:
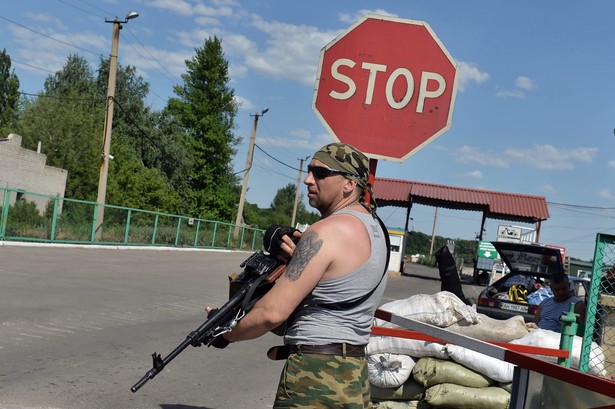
323	381
347	158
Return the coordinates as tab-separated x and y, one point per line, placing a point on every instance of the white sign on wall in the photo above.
509	234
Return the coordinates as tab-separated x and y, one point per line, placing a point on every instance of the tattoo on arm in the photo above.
308	247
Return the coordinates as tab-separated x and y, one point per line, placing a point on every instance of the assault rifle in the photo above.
261	270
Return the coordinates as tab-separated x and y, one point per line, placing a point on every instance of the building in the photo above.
26	171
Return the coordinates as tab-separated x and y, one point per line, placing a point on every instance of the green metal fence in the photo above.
598	348
33	217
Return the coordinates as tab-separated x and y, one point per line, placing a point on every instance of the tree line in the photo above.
176	160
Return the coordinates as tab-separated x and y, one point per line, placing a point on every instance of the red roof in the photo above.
495	205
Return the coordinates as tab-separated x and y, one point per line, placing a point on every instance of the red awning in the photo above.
493	205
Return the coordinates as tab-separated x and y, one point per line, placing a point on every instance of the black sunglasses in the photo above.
320	172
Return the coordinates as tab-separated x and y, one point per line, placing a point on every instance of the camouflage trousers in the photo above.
323	381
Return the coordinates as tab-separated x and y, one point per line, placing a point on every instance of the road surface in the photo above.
79	326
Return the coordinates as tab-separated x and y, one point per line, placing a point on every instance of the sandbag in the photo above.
431	371
441	309
490	329
389	370
492	368
411	404
448	395
410	347
409	390
551	339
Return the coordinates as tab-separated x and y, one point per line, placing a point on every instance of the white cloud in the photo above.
522	84
45	18
244	103
545	157
612	164
469	154
181	7
605	193
477	174
291	51
471	73
353	18
525	83
550	157
500	93
546	189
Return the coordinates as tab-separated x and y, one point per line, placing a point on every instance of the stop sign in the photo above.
386	86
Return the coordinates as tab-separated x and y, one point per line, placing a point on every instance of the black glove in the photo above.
220	342
272	240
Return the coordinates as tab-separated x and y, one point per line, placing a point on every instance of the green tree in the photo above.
136	186
68	119
205	109
9	94
280	211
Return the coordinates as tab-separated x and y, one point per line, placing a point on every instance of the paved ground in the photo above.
79	326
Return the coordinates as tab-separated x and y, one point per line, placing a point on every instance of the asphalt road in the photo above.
79	326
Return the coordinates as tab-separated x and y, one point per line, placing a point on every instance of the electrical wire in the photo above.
275	159
47	36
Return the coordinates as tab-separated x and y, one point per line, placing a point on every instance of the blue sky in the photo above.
534	113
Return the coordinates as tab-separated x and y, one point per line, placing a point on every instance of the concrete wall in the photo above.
26	170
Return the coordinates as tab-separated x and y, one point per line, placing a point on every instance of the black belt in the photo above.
343	349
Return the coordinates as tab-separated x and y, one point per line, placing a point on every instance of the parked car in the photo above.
521	290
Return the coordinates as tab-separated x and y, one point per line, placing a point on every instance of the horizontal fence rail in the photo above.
34	217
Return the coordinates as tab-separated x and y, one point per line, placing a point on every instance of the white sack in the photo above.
492	368
411	347
490	329
441	309
551	339
389	370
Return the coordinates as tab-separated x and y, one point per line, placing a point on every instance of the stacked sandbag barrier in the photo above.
410	373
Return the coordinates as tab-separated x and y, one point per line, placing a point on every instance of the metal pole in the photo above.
293	219
433	231
246	175
104	165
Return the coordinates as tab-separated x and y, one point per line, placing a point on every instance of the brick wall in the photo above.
27	170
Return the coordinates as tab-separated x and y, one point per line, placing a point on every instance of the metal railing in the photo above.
599	336
34	217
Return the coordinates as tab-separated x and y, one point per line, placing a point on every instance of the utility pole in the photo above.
292	221
246	174
104	165
433	231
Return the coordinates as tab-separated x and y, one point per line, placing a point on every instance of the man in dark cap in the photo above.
330	290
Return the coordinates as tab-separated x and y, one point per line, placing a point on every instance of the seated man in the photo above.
551	309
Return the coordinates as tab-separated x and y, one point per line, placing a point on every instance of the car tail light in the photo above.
488	302
533	309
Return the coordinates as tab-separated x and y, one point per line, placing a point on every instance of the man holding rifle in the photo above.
330	290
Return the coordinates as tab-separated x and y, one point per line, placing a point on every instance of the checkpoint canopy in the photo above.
386	86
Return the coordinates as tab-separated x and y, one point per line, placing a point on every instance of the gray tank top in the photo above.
315	324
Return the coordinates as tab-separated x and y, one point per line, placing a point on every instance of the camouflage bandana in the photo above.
347	158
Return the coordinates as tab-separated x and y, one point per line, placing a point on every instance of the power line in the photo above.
173	78
275	159
84	10
51	38
32	66
582	206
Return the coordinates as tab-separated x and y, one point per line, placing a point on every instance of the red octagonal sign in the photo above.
387	86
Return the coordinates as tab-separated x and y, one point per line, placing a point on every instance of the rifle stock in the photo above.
260	273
